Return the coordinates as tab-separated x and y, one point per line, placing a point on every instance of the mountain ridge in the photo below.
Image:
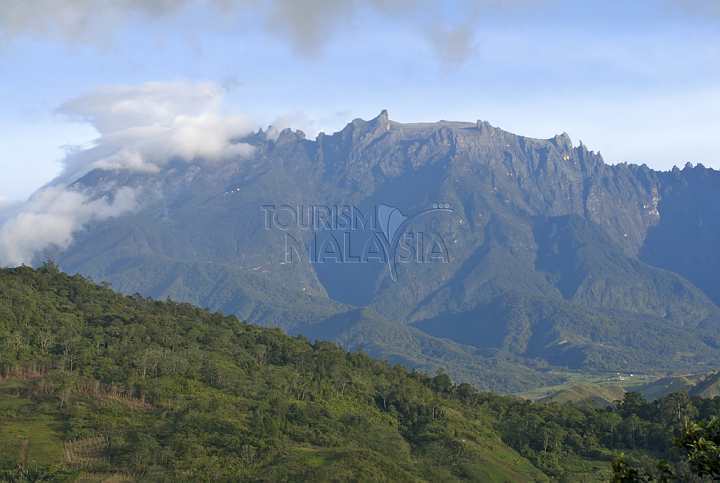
518	206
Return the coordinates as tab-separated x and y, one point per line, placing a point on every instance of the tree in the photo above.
678	409
626	473
632	403
702	443
442	382
623	472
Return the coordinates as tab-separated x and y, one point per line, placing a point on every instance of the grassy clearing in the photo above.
32	441
626	381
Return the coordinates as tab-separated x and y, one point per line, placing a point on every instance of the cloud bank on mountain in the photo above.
50	219
141	128
6	208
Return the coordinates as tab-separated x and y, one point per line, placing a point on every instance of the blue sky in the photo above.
639	82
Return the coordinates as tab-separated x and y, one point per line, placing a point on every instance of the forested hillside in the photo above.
105	387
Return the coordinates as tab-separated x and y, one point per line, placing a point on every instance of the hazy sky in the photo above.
640	82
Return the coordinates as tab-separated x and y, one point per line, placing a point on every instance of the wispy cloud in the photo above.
77	20
6	208
141	128
454	45
145	126
308	26
52	217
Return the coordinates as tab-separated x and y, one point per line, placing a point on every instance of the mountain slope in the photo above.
686	237
166	392
416	349
603	302
708	388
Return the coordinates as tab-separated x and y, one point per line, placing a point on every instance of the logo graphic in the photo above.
393	226
347	234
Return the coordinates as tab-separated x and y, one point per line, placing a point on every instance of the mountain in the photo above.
96	386
442	245
667	385
595	394
709	387
701	385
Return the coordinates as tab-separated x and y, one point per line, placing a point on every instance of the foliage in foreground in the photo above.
92	382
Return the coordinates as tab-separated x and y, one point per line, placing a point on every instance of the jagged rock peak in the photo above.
382	121
383	117
563	141
483	125
377	125
288	135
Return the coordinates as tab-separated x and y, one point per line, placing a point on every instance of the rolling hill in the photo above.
97	385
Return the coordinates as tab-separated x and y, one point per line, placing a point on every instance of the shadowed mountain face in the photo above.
468	245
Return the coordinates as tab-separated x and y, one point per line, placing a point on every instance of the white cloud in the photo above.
6	207
143	127
50	219
293	120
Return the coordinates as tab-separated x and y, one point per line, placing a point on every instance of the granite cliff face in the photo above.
548	256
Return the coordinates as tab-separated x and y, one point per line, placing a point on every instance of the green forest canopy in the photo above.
96	383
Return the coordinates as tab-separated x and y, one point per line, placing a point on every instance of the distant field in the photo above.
624	381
